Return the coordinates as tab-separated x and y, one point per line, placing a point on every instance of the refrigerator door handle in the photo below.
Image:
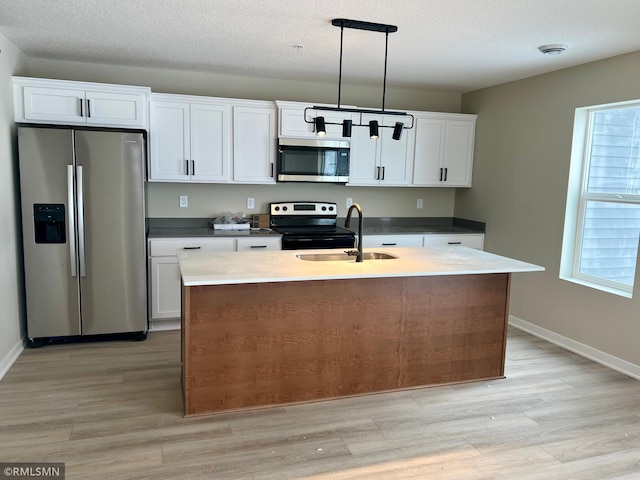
81	243
71	222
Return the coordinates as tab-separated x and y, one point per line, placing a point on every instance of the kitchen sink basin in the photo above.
328	257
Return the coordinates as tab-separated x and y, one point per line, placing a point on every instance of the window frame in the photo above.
578	197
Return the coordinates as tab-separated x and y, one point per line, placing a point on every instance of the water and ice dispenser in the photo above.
49	223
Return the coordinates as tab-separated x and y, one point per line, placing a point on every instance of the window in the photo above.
602	221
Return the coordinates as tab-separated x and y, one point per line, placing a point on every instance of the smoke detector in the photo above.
553	49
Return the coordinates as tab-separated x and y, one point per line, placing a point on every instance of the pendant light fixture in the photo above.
347	124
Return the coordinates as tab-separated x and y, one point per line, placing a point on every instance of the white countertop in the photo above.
202	268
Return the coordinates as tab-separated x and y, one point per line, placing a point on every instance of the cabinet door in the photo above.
291	123
254	144
364	165
394	162
472	240
54	104
165	288
210	143
169	141
121	109
458	153
258	244
428	151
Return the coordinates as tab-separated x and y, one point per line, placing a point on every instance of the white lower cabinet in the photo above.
165	291
373	241
164	271
472	240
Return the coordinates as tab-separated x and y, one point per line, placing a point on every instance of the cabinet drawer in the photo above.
372	241
174	246
258	243
473	240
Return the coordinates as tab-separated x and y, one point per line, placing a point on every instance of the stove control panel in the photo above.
306	209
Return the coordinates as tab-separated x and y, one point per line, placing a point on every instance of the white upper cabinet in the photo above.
292	116
64	102
443	151
189	141
384	161
211	140
254	142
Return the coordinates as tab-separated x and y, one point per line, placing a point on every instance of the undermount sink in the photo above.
328	257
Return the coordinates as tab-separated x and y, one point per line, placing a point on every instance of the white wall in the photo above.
256	88
206	201
12	328
521	166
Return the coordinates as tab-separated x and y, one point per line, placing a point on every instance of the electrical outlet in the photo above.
184	201
251	203
349	201
419	203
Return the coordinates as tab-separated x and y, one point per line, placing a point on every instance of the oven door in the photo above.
304	242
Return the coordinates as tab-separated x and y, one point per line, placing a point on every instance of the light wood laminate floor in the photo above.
114	411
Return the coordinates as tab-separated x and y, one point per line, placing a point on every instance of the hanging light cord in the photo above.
340	71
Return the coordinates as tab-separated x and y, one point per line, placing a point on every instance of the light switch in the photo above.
251	203
184	201
419	203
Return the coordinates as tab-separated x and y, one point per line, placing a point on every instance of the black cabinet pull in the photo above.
271	169
389	244
186	166
88	108
382	173
191	248
454	243
193	167
446	170
258	246
377	173
81	107
441	173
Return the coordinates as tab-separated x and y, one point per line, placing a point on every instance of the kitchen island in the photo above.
268	328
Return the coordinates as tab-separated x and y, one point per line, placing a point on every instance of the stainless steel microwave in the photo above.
311	160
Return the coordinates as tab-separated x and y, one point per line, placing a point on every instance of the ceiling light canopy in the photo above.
347	124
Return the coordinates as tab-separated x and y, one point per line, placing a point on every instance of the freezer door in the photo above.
46	182
111	219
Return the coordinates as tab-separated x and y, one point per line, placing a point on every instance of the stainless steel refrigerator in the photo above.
83	226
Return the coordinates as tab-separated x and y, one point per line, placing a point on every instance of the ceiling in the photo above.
454	45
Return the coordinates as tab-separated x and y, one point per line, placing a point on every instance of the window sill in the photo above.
597	286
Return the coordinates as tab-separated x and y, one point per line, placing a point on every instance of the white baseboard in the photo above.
161	325
10	358
586	351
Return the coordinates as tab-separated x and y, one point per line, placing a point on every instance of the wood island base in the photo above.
264	344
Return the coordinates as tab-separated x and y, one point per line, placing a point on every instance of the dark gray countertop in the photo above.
199	227
420	225
195	227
